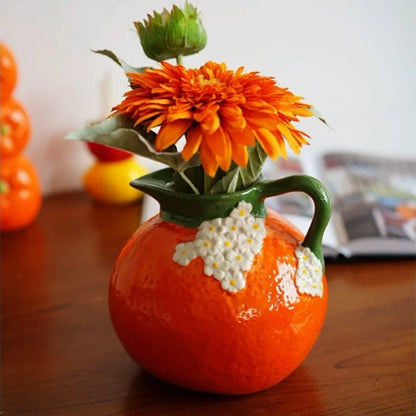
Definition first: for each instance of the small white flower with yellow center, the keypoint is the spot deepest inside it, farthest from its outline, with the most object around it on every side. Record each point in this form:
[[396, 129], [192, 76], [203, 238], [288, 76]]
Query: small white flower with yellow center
[[209, 228], [216, 266], [203, 246], [233, 281], [309, 272], [231, 227], [242, 211], [256, 228], [241, 260], [185, 252], [206, 245], [227, 246], [249, 243]]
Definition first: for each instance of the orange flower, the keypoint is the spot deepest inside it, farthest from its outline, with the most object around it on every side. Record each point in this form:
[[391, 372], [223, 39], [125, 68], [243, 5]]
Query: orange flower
[[220, 112]]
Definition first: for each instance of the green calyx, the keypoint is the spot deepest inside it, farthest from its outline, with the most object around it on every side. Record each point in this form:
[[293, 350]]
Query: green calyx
[[4, 186], [5, 129], [172, 34]]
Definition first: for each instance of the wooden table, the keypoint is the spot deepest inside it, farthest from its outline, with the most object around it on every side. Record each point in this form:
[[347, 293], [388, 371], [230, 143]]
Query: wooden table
[[60, 355]]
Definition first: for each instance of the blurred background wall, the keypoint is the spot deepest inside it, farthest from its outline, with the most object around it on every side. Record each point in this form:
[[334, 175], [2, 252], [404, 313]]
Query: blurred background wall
[[355, 60]]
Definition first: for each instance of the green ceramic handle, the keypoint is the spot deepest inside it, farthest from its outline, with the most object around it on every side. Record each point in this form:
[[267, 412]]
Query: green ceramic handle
[[316, 190]]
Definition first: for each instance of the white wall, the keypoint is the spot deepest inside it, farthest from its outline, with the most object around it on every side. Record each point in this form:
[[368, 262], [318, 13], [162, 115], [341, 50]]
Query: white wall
[[353, 59]]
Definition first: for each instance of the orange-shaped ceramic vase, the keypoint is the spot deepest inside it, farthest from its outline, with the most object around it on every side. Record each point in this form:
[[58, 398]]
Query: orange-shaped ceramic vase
[[218, 294]]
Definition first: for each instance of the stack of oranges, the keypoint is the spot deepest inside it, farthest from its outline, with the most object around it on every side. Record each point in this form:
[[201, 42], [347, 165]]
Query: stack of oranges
[[20, 194]]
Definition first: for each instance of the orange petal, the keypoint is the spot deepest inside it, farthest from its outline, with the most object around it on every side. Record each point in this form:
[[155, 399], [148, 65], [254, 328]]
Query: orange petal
[[218, 143], [158, 121], [176, 113], [240, 153], [151, 119], [208, 160], [245, 136], [232, 117], [193, 140], [268, 142], [261, 120], [170, 133], [281, 145], [224, 162], [211, 123], [208, 118], [302, 111], [293, 137], [234, 124]]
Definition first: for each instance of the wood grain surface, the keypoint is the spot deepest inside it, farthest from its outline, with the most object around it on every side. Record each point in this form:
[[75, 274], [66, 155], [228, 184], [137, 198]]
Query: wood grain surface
[[60, 355]]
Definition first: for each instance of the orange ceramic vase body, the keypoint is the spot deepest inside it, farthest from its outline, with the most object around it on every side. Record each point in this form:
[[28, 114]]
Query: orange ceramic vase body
[[196, 330]]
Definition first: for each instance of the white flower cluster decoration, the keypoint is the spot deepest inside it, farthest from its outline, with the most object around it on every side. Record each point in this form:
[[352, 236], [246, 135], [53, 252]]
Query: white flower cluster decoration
[[227, 246], [309, 272]]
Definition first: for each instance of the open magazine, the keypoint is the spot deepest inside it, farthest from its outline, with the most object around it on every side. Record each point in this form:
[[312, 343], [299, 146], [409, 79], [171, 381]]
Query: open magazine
[[374, 203]]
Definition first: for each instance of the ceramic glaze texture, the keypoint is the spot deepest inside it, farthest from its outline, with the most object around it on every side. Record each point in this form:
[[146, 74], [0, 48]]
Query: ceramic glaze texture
[[179, 325]]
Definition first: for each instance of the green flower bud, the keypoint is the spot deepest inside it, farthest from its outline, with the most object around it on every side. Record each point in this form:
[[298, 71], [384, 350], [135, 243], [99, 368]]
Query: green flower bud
[[169, 35]]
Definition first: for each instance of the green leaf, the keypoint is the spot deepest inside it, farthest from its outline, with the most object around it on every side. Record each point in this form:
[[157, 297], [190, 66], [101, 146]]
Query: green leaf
[[238, 178], [118, 131], [126, 67], [320, 117]]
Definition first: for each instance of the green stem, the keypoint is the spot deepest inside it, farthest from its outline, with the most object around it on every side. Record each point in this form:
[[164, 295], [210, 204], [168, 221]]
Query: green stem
[[179, 60], [207, 182], [189, 182]]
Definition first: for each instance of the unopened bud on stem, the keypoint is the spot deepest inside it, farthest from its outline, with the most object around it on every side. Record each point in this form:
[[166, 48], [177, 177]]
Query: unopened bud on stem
[[171, 34]]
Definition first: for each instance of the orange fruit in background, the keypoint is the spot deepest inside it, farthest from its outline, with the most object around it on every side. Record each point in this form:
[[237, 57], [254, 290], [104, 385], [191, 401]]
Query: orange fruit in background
[[14, 128], [8, 73], [20, 194], [180, 326]]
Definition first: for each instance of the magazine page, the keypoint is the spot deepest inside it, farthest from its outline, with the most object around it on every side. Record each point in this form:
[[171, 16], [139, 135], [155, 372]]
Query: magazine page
[[374, 202]]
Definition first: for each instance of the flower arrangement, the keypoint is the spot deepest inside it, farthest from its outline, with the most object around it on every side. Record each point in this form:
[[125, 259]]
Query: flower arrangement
[[228, 122]]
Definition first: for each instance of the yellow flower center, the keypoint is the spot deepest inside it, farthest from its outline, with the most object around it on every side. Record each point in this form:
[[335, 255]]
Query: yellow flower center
[[203, 82]]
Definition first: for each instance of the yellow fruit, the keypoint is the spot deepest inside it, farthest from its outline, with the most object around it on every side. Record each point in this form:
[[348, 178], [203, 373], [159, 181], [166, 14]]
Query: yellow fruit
[[108, 182]]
